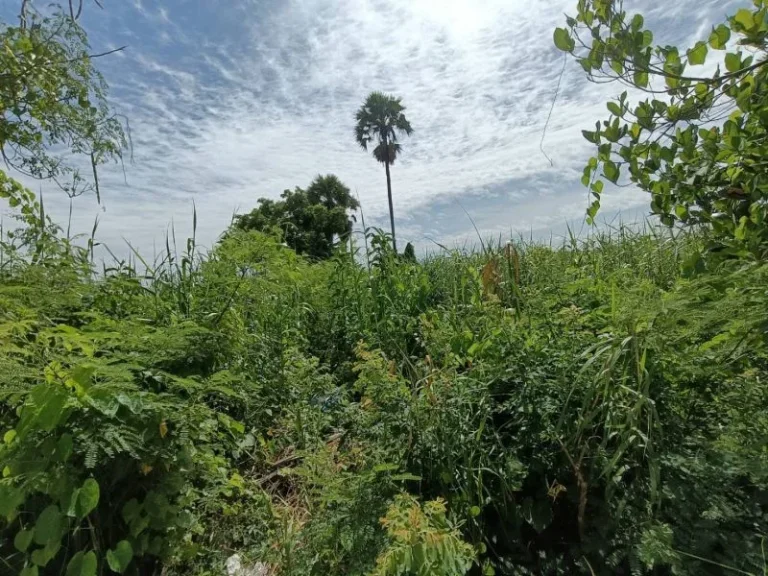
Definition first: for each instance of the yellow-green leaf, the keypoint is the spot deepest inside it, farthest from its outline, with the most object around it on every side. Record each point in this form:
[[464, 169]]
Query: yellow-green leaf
[[647, 38], [744, 18], [698, 54], [9, 436], [741, 230], [719, 37], [592, 211], [733, 62], [611, 171]]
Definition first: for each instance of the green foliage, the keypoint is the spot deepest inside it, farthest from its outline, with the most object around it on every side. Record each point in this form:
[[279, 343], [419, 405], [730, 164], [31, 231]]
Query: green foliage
[[120, 558], [589, 408], [422, 541], [82, 564], [309, 220], [583, 407], [696, 143], [52, 97]]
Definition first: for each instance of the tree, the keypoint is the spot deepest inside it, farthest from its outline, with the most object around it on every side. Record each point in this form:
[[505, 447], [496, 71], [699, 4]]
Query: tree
[[379, 120], [308, 219], [697, 143], [53, 101]]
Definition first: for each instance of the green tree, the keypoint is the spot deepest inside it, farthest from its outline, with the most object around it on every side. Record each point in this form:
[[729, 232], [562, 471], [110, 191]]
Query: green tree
[[53, 100], [379, 120], [698, 142], [308, 219]]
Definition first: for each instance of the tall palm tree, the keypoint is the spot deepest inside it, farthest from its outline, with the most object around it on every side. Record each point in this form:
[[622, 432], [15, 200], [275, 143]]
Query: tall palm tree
[[379, 121]]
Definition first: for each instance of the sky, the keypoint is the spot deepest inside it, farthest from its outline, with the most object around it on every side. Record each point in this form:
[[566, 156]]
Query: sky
[[232, 101]]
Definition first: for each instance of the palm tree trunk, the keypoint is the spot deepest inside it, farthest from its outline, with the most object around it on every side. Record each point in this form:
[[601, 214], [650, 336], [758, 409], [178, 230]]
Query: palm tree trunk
[[391, 209]]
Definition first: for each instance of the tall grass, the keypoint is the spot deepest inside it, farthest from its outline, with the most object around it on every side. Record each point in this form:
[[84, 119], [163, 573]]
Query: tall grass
[[580, 406]]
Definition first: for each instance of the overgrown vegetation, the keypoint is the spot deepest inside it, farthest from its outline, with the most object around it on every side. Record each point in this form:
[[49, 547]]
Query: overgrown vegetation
[[595, 407]]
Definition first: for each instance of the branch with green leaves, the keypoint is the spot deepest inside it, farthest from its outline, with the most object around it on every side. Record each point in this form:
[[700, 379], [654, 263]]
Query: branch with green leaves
[[695, 141], [53, 102]]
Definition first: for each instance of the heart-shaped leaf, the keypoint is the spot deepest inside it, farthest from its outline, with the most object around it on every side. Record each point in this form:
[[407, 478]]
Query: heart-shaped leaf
[[49, 525], [119, 558], [87, 498], [82, 564]]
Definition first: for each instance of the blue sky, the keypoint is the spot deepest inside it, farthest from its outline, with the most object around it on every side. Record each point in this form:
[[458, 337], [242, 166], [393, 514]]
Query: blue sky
[[232, 101]]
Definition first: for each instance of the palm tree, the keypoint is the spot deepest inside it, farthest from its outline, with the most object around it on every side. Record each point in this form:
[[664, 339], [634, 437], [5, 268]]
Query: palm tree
[[379, 121]]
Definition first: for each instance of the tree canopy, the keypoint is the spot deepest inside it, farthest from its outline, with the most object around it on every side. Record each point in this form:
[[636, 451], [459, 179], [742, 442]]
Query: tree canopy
[[696, 141], [53, 101], [309, 220]]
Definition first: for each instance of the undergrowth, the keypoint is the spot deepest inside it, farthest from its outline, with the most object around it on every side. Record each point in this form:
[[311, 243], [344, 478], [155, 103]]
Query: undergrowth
[[524, 409]]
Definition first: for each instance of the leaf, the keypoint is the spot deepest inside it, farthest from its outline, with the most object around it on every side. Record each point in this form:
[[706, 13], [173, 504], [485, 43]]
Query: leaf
[[698, 54], [48, 527], [9, 436], [10, 499], [131, 510], [744, 18], [22, 540], [29, 571], [614, 108], [405, 477], [185, 519], [42, 556], [63, 448], [52, 409], [81, 376], [647, 38], [119, 558], [741, 230], [733, 62], [83, 564], [641, 79], [592, 211], [719, 37], [138, 525], [563, 40], [611, 171], [88, 498], [593, 137], [69, 503]]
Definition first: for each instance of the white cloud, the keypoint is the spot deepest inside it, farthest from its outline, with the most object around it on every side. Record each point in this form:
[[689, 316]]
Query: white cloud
[[231, 104]]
